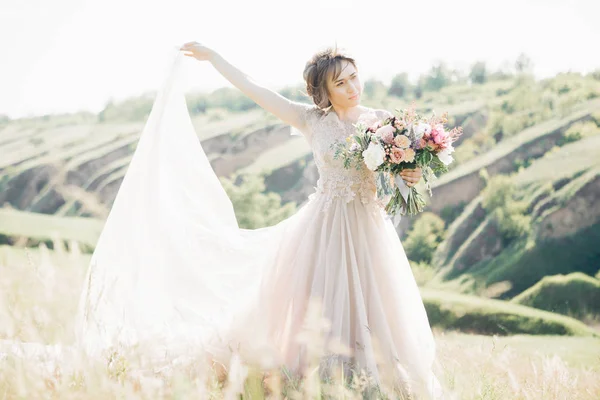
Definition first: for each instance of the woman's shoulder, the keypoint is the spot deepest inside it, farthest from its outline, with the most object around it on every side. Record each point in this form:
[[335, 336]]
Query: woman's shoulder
[[310, 111]]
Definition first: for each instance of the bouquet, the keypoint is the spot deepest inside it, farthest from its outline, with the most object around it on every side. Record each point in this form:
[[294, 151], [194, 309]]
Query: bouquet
[[403, 141]]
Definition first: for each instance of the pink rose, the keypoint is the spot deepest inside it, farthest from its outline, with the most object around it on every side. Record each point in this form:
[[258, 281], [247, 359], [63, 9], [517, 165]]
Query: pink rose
[[386, 133], [438, 135], [402, 141], [397, 155], [422, 143]]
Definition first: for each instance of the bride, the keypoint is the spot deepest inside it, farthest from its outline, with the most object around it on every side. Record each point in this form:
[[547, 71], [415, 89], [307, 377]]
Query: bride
[[172, 263]]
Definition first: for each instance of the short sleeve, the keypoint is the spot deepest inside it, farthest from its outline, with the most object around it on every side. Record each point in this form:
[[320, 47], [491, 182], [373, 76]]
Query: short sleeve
[[306, 114]]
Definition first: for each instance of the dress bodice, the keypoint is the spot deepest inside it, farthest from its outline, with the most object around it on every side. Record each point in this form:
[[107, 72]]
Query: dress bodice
[[324, 129]]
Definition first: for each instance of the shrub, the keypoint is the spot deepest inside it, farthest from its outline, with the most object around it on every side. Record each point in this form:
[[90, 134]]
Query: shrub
[[499, 200], [596, 118], [422, 272], [255, 208], [132, 109], [579, 131], [438, 77], [424, 237], [400, 85], [478, 73], [450, 212], [230, 99]]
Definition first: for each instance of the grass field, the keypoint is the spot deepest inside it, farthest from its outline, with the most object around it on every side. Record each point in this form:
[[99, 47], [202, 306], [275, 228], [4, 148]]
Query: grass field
[[563, 162], [38, 297], [39, 289], [14, 223]]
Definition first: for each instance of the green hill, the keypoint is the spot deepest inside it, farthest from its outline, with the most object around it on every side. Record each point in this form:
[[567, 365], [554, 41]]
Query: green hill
[[559, 192], [462, 184], [453, 311], [575, 294], [543, 132]]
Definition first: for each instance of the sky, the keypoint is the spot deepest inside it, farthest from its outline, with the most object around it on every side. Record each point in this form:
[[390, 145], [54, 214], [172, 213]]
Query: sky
[[72, 55]]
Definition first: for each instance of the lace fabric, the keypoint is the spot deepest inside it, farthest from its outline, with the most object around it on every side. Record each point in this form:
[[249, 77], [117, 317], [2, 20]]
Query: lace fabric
[[323, 130]]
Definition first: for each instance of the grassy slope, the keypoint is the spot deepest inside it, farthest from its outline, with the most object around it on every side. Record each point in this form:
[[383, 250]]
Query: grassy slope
[[514, 143], [279, 156], [449, 310], [526, 261], [575, 162], [15, 223], [573, 294], [563, 162]]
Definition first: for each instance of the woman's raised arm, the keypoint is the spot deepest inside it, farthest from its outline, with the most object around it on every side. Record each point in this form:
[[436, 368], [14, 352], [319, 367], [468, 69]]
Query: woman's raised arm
[[290, 112]]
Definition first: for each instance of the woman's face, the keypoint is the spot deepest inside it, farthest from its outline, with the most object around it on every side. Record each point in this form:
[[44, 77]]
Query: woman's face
[[346, 90]]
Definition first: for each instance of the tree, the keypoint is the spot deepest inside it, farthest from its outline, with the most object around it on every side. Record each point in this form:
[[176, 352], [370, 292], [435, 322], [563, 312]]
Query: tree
[[424, 237], [400, 85], [438, 77], [255, 208], [131, 109], [231, 99], [197, 104], [499, 200], [419, 87], [478, 73], [504, 71], [523, 64], [373, 88]]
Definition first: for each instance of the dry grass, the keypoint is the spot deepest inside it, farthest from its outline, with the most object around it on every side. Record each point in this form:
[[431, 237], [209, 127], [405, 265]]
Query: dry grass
[[29, 225], [39, 291]]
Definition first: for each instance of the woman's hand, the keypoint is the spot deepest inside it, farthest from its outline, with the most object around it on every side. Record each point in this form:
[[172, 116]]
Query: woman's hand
[[198, 51], [411, 176]]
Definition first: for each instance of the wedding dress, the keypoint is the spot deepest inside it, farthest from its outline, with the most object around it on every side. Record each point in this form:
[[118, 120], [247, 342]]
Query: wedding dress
[[172, 263]]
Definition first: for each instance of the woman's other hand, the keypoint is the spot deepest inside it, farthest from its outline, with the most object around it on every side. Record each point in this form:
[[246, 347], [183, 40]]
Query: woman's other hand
[[411, 176], [197, 51]]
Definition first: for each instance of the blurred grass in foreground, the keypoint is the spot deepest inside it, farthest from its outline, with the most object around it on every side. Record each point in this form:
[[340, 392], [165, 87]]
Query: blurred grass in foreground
[[39, 291]]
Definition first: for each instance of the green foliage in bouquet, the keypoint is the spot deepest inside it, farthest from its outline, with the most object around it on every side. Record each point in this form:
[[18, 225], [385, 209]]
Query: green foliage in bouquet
[[396, 143]]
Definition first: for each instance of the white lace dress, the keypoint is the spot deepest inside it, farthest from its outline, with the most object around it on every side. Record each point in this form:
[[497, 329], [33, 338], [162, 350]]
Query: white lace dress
[[339, 251]]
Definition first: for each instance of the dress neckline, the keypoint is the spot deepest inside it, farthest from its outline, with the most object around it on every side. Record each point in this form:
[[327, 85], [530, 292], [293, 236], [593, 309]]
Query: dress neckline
[[367, 110]]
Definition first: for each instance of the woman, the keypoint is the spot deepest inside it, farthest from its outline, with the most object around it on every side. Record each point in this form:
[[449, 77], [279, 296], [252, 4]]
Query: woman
[[172, 262]]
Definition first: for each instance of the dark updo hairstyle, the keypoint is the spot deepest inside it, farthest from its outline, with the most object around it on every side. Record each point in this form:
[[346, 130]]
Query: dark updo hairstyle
[[321, 65]]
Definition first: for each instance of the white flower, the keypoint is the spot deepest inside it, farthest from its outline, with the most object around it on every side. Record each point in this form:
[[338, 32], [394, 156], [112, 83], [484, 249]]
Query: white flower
[[373, 155], [421, 129], [445, 155]]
